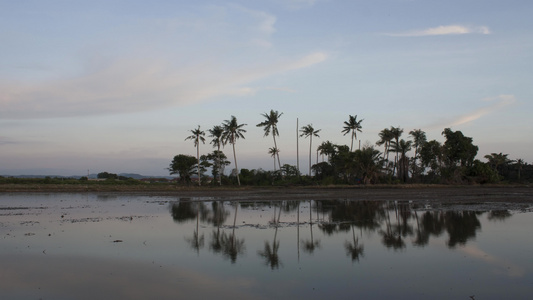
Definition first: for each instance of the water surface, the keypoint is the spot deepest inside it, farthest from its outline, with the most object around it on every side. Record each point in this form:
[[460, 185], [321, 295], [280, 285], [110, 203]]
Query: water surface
[[86, 246]]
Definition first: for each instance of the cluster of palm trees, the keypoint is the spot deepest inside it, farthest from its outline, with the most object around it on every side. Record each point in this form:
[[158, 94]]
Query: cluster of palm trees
[[230, 131], [366, 163]]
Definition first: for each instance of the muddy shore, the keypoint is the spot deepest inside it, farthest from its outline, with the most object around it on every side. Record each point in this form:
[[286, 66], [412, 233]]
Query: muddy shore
[[426, 193]]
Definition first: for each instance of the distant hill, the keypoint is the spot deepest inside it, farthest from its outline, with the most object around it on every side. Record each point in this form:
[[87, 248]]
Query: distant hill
[[91, 176]]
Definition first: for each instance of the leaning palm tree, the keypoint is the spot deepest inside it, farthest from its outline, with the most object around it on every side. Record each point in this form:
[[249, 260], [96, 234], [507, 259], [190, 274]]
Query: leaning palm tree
[[274, 152], [197, 136], [232, 132], [352, 125], [309, 131], [216, 133]]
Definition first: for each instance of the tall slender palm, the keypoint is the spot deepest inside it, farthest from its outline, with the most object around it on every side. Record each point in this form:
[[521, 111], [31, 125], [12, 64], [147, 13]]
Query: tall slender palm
[[271, 125], [273, 151], [197, 136], [309, 131], [232, 132], [352, 125], [419, 139], [386, 137], [216, 133], [396, 132]]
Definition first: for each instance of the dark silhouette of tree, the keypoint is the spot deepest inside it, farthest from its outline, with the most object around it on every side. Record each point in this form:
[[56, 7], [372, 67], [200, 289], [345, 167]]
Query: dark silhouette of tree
[[232, 132], [352, 126], [270, 125], [396, 132], [197, 136], [184, 166], [309, 131], [216, 133]]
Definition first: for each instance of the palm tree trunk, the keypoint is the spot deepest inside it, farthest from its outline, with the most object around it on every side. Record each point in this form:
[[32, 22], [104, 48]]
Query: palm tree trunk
[[235, 159], [198, 159], [351, 147], [310, 143], [219, 167], [276, 147]]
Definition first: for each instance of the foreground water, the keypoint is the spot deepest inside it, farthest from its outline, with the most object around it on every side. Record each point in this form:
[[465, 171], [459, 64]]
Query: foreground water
[[79, 246]]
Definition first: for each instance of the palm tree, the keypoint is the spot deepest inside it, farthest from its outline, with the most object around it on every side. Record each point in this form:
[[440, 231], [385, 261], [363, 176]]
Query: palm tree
[[385, 139], [197, 136], [309, 131], [402, 147], [396, 132], [326, 148], [419, 139], [352, 125], [216, 133], [232, 132], [271, 125], [274, 152]]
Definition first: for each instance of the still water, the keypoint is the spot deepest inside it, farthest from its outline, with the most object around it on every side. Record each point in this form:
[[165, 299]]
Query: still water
[[89, 246]]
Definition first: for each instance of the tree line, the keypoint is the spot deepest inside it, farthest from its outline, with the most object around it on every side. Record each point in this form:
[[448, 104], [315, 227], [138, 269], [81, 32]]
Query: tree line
[[451, 162]]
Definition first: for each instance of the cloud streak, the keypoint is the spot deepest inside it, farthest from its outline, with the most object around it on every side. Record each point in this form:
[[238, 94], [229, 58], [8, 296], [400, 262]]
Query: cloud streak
[[501, 102], [135, 85], [444, 30]]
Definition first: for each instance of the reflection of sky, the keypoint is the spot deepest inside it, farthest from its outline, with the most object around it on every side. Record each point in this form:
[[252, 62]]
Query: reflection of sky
[[55, 246]]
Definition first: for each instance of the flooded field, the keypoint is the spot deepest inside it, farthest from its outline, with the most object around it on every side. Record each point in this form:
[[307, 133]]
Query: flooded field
[[110, 246]]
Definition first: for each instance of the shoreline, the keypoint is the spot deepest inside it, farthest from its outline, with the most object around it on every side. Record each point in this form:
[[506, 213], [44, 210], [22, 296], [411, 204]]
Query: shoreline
[[414, 192]]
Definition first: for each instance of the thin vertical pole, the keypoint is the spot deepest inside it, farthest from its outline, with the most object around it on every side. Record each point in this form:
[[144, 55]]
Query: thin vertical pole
[[297, 150]]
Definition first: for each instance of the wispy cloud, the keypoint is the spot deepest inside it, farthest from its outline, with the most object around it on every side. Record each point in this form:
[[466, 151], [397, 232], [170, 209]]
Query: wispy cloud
[[444, 30], [136, 85], [498, 103]]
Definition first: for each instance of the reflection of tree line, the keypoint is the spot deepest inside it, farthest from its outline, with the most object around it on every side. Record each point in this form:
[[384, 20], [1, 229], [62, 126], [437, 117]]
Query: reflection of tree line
[[394, 222]]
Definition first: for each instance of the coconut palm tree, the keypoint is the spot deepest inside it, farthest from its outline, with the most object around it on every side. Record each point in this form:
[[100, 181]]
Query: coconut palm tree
[[216, 133], [402, 147], [419, 139], [396, 132], [274, 152], [271, 125], [197, 136], [232, 132], [352, 125], [309, 131], [326, 148], [386, 137]]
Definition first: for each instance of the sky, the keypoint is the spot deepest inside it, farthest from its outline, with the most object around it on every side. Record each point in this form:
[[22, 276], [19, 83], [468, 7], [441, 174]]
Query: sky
[[116, 86]]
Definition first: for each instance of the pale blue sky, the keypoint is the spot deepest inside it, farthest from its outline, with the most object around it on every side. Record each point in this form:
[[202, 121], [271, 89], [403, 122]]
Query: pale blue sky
[[117, 85]]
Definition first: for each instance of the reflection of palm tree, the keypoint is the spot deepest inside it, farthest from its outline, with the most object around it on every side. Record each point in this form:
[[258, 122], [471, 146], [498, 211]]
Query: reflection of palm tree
[[310, 245], [354, 250], [197, 241], [390, 238], [422, 236], [270, 254]]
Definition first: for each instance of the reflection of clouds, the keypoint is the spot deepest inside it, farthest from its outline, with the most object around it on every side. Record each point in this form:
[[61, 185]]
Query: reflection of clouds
[[92, 278], [502, 265]]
